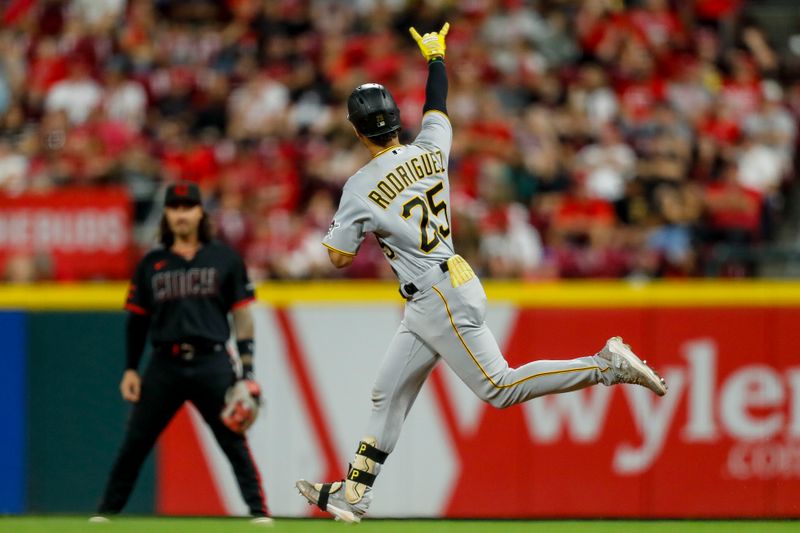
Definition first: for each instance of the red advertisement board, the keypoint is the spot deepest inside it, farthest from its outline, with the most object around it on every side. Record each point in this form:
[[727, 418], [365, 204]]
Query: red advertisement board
[[77, 233], [724, 441]]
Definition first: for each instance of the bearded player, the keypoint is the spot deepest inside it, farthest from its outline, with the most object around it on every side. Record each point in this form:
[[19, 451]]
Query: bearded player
[[402, 196]]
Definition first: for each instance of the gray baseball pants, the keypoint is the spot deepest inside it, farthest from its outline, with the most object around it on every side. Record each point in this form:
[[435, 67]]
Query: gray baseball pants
[[442, 321]]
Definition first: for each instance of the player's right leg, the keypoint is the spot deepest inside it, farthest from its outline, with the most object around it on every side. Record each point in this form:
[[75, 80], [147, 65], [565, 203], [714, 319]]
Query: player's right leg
[[161, 397], [451, 320], [405, 367]]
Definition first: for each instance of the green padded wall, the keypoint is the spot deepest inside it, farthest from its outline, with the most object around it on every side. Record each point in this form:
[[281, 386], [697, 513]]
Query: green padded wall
[[75, 413]]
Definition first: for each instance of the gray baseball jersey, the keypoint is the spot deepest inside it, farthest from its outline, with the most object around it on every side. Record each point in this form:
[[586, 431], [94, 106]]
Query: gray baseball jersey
[[403, 197]]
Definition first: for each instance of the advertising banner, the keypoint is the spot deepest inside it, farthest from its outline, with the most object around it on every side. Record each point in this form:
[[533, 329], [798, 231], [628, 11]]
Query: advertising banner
[[77, 233], [724, 441]]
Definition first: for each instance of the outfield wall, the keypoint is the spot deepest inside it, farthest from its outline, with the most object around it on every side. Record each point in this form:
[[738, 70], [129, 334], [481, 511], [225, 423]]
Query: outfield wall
[[725, 441]]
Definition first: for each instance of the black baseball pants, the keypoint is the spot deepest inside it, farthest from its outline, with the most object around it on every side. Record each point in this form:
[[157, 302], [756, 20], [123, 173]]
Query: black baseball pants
[[166, 384]]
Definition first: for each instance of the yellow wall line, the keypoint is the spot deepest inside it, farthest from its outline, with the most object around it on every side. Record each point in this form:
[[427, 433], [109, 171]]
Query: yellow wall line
[[613, 294]]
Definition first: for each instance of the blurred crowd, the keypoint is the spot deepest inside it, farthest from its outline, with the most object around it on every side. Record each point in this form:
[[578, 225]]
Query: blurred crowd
[[594, 138]]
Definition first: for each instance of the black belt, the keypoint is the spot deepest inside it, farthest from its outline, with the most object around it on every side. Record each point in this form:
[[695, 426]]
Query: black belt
[[188, 350], [410, 289]]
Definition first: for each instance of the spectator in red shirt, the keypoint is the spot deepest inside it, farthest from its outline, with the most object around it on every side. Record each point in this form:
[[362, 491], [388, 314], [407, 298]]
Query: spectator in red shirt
[[641, 87], [741, 92], [601, 29], [717, 136], [47, 67], [658, 25], [582, 219], [583, 236], [733, 210]]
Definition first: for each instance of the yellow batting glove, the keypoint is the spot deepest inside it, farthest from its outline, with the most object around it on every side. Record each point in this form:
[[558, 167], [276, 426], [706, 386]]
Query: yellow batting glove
[[431, 44]]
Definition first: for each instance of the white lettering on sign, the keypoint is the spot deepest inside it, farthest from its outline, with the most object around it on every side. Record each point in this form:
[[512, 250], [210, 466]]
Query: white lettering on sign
[[653, 417], [793, 378], [702, 358], [753, 387], [756, 406], [87, 230], [581, 413], [764, 460]]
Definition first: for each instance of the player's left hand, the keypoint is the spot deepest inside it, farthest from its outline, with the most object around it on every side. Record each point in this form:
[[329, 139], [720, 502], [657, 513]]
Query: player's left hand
[[242, 403], [431, 44]]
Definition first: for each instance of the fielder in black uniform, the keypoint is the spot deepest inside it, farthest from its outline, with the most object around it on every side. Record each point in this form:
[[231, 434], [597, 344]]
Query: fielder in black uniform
[[181, 294]]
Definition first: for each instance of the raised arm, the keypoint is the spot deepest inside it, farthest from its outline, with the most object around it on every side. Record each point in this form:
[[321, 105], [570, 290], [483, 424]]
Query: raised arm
[[432, 46]]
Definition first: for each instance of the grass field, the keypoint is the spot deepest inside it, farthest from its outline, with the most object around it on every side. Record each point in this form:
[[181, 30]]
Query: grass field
[[232, 525]]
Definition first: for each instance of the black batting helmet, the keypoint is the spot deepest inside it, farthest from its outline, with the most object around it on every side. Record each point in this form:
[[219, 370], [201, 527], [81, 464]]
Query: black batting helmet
[[371, 109]]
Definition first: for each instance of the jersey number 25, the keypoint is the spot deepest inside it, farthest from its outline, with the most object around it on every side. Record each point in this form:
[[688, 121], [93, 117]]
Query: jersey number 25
[[427, 205]]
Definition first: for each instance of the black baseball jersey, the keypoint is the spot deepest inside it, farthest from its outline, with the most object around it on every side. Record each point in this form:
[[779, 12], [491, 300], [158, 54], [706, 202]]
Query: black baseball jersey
[[190, 299]]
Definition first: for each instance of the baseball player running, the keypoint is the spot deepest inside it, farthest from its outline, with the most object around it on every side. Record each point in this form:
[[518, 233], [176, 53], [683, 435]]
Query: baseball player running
[[402, 196]]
